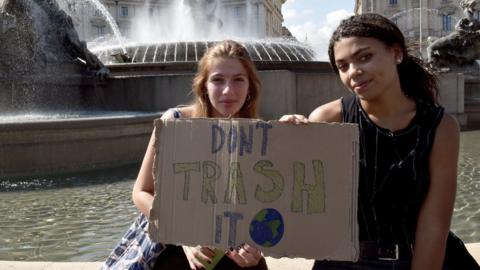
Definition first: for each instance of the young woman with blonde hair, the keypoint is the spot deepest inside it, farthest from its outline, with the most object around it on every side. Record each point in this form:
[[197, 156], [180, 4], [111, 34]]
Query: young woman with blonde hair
[[226, 85]]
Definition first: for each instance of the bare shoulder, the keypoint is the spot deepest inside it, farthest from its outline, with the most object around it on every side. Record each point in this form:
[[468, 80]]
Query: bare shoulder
[[186, 111], [329, 112], [448, 127], [447, 138]]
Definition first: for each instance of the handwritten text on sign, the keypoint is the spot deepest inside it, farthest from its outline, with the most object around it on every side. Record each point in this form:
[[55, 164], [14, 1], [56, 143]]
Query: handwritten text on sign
[[248, 180]]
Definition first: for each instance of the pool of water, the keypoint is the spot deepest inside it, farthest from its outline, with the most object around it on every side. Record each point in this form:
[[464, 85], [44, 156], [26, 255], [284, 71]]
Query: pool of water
[[65, 219], [81, 218], [466, 216]]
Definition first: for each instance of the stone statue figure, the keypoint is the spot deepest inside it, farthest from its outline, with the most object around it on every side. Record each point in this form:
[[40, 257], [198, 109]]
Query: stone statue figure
[[54, 38], [469, 6], [16, 42], [468, 23], [462, 46], [65, 31]]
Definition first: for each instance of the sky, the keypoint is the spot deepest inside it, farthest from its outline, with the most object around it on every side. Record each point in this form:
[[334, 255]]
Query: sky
[[313, 21]]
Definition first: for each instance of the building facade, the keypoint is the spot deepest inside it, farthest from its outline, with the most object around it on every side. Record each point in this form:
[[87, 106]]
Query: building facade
[[263, 17], [419, 20]]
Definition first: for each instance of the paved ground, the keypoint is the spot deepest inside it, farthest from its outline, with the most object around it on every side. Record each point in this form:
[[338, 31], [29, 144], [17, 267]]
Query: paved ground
[[274, 264]]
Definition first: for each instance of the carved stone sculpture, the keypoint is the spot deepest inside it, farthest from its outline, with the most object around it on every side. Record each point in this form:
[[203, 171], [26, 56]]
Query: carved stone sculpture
[[39, 31], [462, 46], [43, 63]]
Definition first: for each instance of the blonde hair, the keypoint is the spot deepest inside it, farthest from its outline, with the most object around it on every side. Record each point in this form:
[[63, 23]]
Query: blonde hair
[[225, 49]]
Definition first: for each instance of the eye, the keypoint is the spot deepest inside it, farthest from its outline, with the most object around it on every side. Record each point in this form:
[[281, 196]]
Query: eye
[[216, 79], [342, 67], [365, 57], [240, 79]]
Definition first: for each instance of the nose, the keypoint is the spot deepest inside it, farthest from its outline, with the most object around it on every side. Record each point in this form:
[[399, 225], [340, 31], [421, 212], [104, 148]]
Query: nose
[[228, 87], [355, 70]]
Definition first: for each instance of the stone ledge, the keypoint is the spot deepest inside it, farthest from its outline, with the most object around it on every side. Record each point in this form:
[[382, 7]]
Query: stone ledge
[[17, 265], [273, 264]]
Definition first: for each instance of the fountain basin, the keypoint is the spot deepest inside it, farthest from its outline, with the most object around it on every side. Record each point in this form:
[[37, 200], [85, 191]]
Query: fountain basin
[[58, 146], [191, 51]]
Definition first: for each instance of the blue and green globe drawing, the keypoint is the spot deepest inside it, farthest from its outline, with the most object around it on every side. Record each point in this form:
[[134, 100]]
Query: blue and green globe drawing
[[267, 227]]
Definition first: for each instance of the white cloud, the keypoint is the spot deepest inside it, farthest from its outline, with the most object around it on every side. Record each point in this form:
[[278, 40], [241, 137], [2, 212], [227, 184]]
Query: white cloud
[[318, 34], [293, 14], [289, 13], [308, 12]]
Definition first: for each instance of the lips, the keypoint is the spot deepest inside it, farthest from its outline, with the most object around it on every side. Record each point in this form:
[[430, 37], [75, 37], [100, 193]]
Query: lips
[[228, 102], [361, 86]]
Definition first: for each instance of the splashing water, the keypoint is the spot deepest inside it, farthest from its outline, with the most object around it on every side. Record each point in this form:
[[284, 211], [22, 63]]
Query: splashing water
[[109, 19]]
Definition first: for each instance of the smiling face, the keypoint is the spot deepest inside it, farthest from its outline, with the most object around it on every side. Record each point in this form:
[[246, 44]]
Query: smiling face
[[367, 66], [227, 87]]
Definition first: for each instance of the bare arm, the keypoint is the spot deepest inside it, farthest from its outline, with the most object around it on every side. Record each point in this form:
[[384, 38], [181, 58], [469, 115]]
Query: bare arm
[[329, 112], [435, 214], [143, 189]]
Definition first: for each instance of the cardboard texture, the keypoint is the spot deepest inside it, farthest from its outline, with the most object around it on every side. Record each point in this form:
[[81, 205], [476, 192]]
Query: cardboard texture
[[290, 190]]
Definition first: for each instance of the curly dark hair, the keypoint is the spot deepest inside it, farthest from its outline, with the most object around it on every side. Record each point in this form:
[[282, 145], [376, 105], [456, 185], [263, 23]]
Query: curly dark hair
[[417, 80]]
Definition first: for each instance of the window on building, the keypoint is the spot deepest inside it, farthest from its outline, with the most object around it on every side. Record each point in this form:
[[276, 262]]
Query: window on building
[[97, 12], [393, 2], [100, 31], [124, 12], [237, 11], [371, 5], [446, 23]]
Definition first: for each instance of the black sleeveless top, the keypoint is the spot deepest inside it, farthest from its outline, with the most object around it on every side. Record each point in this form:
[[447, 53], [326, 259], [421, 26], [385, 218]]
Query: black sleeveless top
[[394, 173]]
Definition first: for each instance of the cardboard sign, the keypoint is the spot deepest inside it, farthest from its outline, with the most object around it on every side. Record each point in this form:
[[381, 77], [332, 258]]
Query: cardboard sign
[[290, 190]]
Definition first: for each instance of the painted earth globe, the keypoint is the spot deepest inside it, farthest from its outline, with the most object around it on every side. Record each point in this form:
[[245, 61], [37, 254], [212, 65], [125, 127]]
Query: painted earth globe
[[267, 227]]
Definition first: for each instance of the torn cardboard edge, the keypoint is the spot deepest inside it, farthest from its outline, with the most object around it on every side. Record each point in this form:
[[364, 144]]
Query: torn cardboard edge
[[290, 190]]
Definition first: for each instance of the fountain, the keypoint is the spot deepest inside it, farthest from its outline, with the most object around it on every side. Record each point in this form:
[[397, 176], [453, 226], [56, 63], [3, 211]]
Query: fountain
[[53, 118], [185, 30], [61, 113], [161, 55], [111, 22], [38, 57]]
